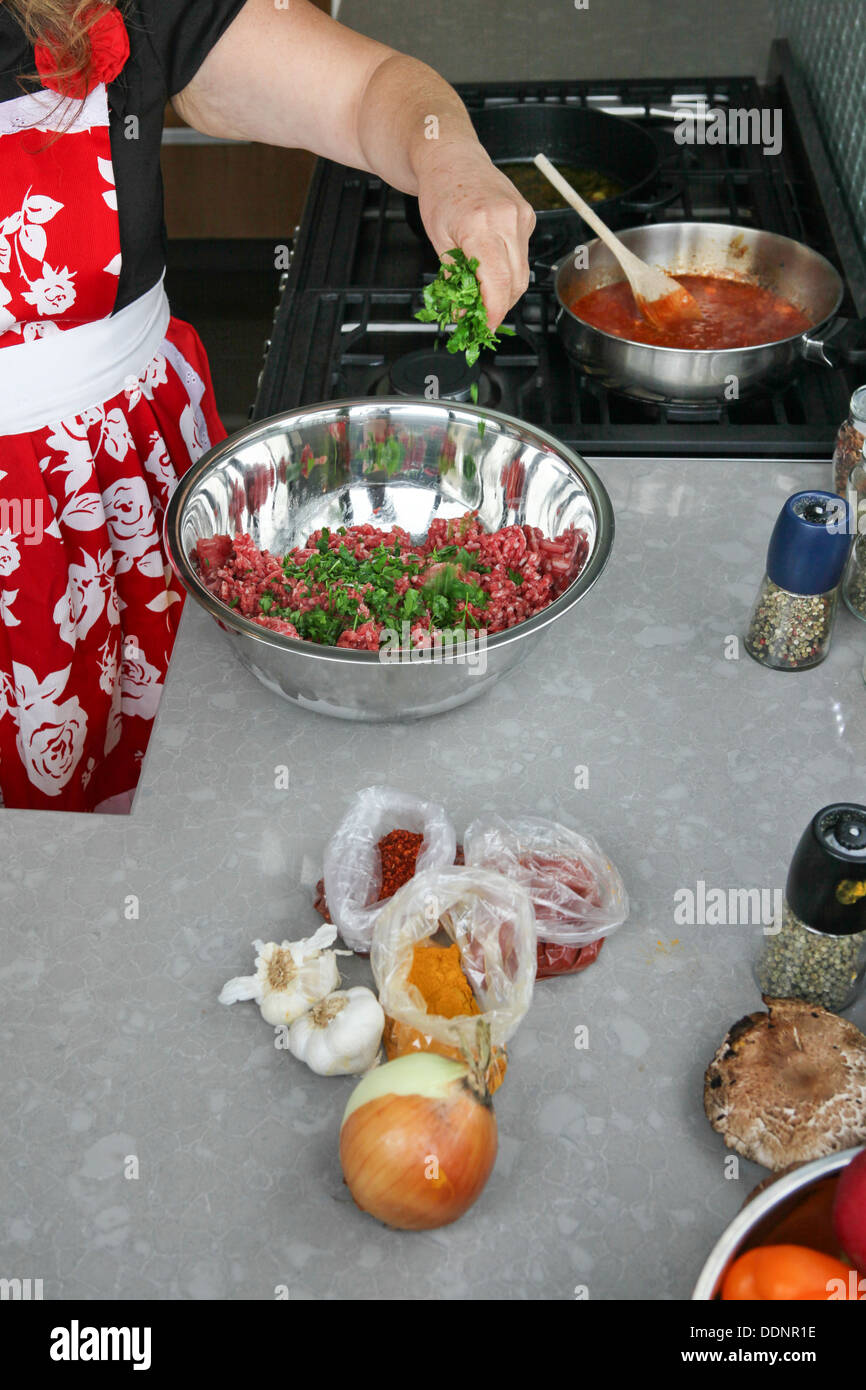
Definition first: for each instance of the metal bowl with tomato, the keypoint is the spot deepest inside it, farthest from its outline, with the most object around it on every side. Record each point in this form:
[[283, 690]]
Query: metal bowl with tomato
[[795, 1209]]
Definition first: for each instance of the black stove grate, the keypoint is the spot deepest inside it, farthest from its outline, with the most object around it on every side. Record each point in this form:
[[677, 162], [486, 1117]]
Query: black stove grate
[[358, 267]]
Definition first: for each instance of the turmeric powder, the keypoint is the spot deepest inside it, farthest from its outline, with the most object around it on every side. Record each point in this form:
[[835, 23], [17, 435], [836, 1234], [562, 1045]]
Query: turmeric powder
[[437, 973]]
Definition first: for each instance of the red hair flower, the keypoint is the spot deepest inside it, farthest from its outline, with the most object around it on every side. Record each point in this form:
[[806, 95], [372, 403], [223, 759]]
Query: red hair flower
[[109, 50]]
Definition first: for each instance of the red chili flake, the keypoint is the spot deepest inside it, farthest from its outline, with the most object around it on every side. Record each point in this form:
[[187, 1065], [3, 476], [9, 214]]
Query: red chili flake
[[398, 852]]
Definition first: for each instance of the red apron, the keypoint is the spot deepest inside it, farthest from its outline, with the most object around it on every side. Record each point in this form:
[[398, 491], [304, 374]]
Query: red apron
[[88, 609]]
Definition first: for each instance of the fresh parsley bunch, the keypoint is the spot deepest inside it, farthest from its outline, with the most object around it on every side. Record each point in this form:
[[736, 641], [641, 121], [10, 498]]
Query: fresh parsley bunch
[[453, 300]]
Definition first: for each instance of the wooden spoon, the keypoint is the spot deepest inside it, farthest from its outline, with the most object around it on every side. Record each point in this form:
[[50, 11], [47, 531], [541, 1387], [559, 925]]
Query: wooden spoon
[[664, 302]]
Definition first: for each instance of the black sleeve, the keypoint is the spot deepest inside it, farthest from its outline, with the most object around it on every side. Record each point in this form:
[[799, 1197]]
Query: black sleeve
[[183, 32]]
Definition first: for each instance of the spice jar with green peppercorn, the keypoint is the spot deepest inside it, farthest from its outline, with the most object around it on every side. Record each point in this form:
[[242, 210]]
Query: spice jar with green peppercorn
[[792, 621], [850, 442], [818, 952]]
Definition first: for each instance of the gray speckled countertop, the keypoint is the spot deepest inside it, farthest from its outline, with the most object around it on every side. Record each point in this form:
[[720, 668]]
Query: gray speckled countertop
[[113, 1043]]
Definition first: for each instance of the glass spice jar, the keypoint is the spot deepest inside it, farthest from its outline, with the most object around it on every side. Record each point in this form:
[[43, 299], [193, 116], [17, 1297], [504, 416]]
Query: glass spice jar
[[854, 582], [818, 952], [850, 441], [790, 632], [791, 623]]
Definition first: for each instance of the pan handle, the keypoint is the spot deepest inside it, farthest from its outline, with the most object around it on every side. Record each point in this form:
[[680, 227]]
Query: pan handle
[[663, 200], [844, 341]]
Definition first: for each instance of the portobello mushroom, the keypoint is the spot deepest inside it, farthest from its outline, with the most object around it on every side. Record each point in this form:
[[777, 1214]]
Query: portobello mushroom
[[788, 1085]]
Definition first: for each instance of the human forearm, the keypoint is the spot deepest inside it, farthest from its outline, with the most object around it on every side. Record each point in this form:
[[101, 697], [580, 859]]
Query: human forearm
[[415, 132], [409, 120]]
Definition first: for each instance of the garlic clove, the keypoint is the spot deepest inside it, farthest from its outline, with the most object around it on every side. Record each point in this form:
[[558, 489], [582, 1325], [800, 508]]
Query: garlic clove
[[313, 981], [242, 988], [341, 1034], [290, 976]]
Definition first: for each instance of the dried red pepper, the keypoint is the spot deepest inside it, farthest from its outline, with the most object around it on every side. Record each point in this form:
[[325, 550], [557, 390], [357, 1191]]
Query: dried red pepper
[[398, 851]]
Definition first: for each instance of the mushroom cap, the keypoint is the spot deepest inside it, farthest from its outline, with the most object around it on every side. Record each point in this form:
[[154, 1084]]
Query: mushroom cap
[[789, 1085]]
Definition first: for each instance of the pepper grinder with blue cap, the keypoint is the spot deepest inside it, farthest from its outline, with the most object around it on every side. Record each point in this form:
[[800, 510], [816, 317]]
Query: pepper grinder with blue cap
[[792, 620]]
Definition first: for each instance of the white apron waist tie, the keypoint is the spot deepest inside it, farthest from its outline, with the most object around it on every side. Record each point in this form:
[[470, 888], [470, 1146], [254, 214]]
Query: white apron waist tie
[[59, 376]]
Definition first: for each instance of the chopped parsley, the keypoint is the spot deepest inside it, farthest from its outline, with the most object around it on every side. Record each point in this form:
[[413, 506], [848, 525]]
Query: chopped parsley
[[341, 583], [453, 300]]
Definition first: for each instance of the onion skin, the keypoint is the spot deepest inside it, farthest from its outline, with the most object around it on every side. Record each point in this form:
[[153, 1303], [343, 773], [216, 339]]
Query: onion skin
[[390, 1144]]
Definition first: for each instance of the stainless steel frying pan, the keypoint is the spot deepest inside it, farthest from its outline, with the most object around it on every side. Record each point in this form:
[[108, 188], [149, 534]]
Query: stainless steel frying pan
[[788, 268]]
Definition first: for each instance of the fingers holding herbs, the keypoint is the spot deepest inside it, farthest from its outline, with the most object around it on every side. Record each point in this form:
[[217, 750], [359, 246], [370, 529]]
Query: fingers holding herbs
[[471, 204], [454, 301]]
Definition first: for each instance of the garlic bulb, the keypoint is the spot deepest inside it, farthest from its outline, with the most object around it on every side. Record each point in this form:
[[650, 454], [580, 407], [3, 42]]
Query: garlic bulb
[[289, 978], [340, 1036]]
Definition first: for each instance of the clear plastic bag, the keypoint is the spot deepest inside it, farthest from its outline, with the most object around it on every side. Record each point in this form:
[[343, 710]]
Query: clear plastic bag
[[577, 893], [492, 922], [353, 868]]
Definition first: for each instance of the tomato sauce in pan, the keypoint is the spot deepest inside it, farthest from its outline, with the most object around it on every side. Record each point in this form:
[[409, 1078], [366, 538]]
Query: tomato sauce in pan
[[735, 314]]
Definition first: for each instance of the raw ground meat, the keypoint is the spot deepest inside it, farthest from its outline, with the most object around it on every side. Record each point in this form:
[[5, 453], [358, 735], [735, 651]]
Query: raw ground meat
[[565, 960], [522, 572]]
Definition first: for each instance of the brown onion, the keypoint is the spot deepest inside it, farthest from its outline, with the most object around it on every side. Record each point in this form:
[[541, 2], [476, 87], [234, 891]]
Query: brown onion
[[418, 1141]]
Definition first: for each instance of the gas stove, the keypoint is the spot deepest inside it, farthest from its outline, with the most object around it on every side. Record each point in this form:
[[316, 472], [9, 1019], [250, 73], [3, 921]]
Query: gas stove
[[345, 325]]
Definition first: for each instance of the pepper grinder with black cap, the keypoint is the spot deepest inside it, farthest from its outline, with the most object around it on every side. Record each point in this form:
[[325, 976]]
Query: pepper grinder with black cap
[[818, 952], [792, 620]]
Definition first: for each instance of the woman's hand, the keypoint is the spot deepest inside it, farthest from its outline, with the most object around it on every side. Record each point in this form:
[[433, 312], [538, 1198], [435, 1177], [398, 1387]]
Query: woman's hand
[[466, 201]]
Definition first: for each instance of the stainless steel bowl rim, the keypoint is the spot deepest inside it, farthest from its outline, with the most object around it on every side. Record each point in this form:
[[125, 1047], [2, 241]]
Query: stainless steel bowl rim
[[803, 338], [228, 618], [749, 1216]]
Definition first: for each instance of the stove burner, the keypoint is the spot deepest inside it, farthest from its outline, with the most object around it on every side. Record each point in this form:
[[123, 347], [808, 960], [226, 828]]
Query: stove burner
[[654, 410], [435, 375], [692, 412], [551, 240]]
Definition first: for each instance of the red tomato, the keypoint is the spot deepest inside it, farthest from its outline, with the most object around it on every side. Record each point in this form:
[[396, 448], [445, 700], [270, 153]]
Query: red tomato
[[779, 1272]]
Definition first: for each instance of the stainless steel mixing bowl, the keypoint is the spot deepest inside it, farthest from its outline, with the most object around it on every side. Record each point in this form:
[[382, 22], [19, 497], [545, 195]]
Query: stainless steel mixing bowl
[[754, 1225], [383, 461]]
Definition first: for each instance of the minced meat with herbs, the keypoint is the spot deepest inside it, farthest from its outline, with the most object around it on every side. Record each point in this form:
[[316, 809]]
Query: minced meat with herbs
[[348, 586]]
